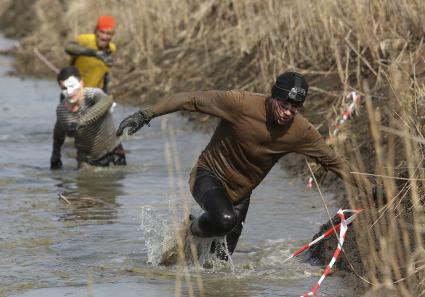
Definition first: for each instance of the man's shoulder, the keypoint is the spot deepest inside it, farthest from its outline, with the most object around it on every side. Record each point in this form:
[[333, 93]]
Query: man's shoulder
[[254, 94], [90, 92], [304, 126], [251, 99], [245, 95], [244, 102], [113, 47], [303, 122], [87, 39], [61, 112], [88, 36], [60, 106]]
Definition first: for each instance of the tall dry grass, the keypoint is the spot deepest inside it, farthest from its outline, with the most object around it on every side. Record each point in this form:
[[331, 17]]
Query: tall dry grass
[[390, 236], [174, 45], [373, 47], [4, 5]]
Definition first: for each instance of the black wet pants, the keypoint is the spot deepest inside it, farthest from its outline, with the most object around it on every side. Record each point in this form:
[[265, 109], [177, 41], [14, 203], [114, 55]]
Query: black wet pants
[[221, 216], [116, 157]]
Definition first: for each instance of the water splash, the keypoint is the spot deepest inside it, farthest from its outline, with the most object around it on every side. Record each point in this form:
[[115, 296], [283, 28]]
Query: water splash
[[161, 244], [157, 233]]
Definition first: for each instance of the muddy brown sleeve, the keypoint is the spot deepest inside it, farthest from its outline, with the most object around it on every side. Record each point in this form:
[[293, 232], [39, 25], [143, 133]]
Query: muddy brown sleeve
[[313, 145], [222, 104], [59, 135], [73, 48], [102, 104]]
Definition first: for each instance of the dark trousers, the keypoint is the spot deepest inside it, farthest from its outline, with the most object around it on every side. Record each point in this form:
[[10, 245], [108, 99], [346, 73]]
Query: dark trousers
[[221, 216], [116, 157]]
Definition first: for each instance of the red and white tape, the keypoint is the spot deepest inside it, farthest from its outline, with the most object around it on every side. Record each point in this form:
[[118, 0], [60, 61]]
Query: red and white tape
[[310, 182], [347, 114], [343, 226], [328, 233]]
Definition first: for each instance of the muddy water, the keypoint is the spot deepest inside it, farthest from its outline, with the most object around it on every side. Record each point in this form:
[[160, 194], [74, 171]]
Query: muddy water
[[94, 243]]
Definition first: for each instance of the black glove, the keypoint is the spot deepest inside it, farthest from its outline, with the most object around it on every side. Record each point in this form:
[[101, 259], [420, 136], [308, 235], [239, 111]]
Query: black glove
[[105, 57], [134, 122], [55, 162]]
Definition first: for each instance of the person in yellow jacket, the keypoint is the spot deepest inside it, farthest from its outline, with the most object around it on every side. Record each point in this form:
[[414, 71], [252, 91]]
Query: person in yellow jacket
[[93, 53]]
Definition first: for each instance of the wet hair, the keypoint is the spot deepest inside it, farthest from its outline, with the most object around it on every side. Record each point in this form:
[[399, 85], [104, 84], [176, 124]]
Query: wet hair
[[67, 72]]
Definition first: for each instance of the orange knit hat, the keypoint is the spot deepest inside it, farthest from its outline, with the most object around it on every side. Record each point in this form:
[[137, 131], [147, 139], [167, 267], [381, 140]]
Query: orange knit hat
[[105, 22]]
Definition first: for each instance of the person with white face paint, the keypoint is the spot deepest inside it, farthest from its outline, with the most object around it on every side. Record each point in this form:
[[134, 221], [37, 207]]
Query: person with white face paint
[[71, 89], [84, 113]]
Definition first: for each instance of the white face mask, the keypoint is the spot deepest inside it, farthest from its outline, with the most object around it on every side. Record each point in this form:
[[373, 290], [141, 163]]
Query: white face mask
[[72, 85]]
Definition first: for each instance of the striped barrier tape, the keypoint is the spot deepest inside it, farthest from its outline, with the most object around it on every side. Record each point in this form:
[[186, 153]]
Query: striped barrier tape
[[326, 234], [347, 114], [310, 183], [343, 226]]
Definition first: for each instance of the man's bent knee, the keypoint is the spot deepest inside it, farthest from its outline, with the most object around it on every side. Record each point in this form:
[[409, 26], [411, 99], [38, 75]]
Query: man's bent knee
[[225, 224]]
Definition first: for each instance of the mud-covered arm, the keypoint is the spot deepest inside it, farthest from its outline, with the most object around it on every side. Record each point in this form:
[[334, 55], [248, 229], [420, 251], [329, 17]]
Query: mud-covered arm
[[102, 103], [313, 145], [73, 48], [59, 134], [225, 105]]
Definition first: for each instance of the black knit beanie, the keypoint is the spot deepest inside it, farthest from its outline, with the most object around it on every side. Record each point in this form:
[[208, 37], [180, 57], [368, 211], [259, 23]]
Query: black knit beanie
[[290, 86]]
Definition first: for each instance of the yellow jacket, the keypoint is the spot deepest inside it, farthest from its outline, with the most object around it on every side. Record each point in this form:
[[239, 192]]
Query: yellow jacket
[[92, 69]]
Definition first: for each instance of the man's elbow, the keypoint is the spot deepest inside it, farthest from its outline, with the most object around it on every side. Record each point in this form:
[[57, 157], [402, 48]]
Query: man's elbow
[[69, 48], [69, 52]]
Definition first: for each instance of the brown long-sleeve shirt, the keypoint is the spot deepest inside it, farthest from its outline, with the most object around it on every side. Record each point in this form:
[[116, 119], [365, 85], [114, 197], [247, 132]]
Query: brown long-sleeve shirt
[[246, 143]]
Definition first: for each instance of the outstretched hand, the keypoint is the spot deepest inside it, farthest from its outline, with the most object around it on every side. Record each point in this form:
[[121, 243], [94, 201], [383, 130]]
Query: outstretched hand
[[134, 122], [105, 57], [55, 162]]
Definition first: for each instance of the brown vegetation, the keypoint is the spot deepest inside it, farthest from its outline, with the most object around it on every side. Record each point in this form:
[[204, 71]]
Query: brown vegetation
[[373, 47]]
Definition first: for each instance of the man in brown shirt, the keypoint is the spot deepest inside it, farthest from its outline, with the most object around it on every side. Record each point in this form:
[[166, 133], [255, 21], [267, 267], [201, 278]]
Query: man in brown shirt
[[255, 131]]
